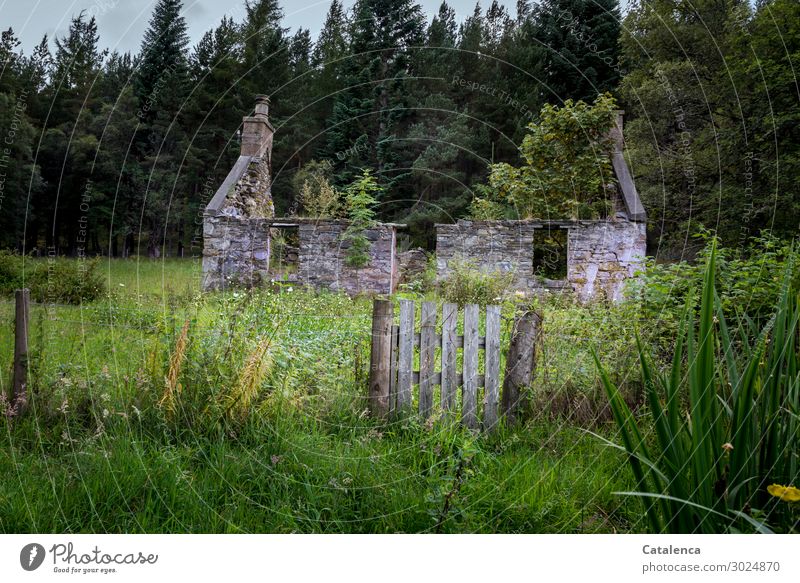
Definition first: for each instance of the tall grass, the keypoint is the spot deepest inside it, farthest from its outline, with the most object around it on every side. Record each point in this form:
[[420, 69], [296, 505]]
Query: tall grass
[[725, 421]]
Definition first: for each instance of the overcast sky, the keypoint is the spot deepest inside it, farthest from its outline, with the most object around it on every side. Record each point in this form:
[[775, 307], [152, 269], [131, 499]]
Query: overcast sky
[[121, 23]]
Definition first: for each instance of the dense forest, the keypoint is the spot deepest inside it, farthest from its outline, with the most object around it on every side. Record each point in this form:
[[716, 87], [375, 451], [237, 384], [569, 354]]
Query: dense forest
[[108, 153]]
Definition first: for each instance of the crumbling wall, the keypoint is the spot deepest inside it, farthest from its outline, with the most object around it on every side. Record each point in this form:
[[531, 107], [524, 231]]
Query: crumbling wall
[[323, 254], [236, 240], [601, 255], [235, 251], [251, 196], [505, 246]]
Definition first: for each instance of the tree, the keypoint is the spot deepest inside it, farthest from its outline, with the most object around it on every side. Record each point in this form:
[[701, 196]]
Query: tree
[[161, 87], [374, 109], [581, 40], [361, 197], [567, 171], [162, 74]]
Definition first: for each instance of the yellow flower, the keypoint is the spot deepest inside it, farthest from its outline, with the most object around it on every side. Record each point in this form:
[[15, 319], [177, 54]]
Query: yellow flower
[[785, 493]]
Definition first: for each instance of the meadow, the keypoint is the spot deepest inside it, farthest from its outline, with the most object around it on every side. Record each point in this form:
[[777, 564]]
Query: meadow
[[156, 408]]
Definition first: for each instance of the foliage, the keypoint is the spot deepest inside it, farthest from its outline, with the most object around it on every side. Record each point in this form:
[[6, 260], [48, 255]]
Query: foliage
[[467, 284], [738, 433], [749, 279], [586, 33], [52, 281], [361, 197], [567, 171], [315, 193], [710, 96]]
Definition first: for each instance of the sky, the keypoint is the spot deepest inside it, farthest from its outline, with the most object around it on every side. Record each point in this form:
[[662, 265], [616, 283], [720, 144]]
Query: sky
[[121, 23]]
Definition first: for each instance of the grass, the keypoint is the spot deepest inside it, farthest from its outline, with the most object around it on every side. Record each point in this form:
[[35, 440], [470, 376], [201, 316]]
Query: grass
[[296, 453]]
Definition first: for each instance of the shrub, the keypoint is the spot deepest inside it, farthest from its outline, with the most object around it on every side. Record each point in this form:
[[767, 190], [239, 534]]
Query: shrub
[[716, 464], [319, 197], [361, 200], [57, 280], [467, 284], [748, 280]]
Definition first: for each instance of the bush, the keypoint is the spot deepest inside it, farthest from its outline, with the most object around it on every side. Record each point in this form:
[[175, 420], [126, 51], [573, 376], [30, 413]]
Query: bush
[[467, 284], [58, 280], [748, 280]]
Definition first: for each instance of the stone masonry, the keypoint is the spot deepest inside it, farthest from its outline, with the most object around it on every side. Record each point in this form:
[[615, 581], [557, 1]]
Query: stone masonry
[[601, 255], [323, 254]]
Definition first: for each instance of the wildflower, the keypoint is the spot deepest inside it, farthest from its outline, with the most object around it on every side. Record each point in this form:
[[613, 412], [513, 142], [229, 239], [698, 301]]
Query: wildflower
[[785, 493]]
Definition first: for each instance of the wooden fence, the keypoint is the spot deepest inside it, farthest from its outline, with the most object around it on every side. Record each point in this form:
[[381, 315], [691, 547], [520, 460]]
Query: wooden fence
[[395, 347]]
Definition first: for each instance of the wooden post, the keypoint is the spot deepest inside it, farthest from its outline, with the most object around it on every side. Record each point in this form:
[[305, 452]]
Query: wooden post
[[427, 358], [520, 364], [469, 407], [22, 317], [380, 359], [492, 367]]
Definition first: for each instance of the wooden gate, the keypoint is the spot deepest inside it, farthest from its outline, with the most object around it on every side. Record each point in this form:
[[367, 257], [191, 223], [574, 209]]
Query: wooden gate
[[396, 349]]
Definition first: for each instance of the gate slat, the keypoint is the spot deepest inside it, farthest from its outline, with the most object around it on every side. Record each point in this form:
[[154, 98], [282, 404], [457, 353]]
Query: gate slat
[[469, 414], [449, 353], [405, 354], [427, 358], [492, 368], [393, 372]]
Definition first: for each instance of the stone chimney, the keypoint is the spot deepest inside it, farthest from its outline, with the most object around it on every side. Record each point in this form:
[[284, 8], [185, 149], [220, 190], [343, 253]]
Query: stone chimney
[[257, 131]]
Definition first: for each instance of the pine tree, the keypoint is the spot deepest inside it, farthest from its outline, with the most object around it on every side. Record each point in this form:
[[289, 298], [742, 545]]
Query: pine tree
[[582, 37], [161, 85], [368, 117], [266, 48], [161, 79]]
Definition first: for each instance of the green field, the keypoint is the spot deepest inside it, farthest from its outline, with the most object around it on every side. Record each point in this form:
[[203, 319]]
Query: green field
[[293, 450]]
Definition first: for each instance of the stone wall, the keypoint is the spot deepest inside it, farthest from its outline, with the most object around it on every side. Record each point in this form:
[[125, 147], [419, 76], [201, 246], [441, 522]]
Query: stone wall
[[322, 259], [235, 252], [505, 246], [236, 243], [601, 255]]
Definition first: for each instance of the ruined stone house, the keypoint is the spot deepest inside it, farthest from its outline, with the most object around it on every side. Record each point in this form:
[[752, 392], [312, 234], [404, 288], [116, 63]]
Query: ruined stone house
[[600, 255], [238, 224], [240, 218]]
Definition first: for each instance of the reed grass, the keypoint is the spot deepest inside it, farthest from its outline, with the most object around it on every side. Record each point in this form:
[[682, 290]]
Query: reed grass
[[724, 418]]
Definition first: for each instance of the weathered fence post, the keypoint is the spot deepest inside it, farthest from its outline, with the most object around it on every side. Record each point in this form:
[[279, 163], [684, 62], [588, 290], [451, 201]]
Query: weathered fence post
[[520, 363], [427, 358], [22, 317], [381, 357], [492, 368], [469, 407], [405, 356], [449, 356]]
